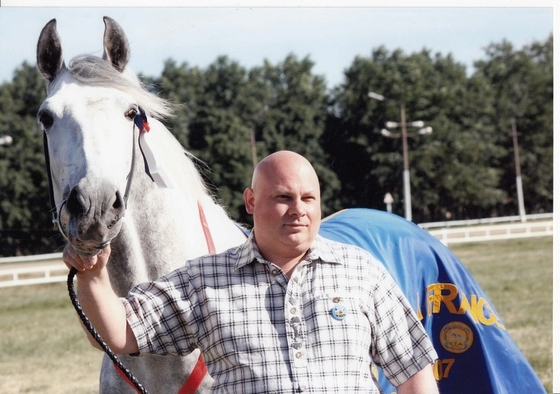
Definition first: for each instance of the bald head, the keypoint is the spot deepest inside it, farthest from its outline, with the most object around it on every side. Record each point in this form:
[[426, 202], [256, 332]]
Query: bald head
[[285, 201], [283, 163]]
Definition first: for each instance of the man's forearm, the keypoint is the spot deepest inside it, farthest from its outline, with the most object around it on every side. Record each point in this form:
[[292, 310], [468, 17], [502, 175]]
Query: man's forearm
[[98, 300], [105, 311], [422, 382]]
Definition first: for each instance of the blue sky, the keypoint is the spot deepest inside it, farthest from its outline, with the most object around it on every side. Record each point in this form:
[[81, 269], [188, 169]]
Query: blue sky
[[331, 36]]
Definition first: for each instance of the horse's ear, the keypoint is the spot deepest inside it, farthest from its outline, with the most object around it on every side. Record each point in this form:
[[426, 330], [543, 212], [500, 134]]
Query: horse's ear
[[49, 52], [116, 48]]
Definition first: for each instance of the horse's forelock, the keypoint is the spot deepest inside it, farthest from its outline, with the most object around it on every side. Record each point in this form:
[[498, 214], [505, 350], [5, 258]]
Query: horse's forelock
[[92, 70]]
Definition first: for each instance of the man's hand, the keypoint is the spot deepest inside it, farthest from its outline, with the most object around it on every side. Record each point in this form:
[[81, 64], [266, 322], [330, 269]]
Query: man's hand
[[82, 263]]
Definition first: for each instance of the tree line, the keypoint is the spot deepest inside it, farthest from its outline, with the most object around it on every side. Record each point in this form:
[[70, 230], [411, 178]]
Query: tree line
[[229, 117]]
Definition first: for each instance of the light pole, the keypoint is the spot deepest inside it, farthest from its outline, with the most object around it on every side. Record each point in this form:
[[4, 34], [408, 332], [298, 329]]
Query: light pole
[[404, 135]]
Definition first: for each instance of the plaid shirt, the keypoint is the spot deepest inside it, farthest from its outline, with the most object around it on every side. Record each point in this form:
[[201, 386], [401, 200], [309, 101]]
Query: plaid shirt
[[262, 332]]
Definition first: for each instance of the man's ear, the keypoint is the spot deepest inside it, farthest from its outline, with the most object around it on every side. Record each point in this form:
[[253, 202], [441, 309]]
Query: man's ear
[[249, 197]]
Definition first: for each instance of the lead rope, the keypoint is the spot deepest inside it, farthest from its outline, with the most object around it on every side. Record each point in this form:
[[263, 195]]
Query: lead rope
[[91, 329], [199, 370]]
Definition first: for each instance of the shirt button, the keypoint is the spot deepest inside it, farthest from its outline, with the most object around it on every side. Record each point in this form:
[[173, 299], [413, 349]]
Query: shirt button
[[303, 387], [293, 311], [336, 300], [275, 272], [299, 355]]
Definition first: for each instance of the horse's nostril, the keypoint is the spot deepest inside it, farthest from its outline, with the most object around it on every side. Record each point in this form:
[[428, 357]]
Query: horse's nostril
[[73, 204], [118, 204]]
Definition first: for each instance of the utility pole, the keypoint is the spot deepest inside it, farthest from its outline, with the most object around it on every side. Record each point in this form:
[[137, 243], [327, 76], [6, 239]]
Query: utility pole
[[518, 180], [253, 147]]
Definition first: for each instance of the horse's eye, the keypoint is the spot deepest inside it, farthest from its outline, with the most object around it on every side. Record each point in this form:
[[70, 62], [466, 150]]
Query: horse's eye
[[131, 113], [45, 119]]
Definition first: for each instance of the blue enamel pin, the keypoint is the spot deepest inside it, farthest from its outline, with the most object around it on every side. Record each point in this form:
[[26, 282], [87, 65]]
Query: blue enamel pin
[[339, 312]]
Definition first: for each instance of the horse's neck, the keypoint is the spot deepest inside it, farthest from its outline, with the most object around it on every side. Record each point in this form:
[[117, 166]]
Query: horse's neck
[[162, 229]]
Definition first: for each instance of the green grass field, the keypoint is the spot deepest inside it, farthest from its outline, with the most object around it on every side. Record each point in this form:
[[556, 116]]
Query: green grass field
[[44, 350], [517, 277]]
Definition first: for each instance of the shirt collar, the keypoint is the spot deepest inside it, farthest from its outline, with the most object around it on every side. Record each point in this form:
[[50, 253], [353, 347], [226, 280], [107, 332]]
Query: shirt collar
[[320, 250]]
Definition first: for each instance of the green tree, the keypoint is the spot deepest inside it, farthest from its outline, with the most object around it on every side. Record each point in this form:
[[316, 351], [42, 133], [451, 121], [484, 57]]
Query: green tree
[[450, 172], [457, 170], [182, 86], [294, 118], [25, 225], [220, 135], [232, 118], [209, 124], [521, 81]]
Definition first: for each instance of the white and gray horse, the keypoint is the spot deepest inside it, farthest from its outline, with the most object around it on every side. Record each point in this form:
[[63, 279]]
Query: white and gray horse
[[102, 192]]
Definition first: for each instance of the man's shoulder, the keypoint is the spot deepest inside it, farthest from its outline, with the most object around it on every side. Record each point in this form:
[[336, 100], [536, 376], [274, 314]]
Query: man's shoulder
[[337, 246], [352, 256], [227, 257]]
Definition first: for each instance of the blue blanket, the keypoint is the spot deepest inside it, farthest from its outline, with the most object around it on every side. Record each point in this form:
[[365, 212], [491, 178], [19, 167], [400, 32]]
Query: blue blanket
[[476, 353]]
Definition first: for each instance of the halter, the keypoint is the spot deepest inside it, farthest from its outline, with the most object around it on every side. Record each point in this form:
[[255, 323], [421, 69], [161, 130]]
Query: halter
[[160, 178], [153, 169], [140, 122]]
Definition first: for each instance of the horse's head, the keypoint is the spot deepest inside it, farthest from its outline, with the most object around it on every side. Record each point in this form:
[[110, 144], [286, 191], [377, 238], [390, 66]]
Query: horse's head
[[88, 119]]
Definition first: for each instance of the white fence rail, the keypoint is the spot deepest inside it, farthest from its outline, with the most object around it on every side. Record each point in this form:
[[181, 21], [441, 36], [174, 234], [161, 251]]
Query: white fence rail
[[32, 270], [493, 232], [37, 258], [496, 220], [49, 268], [22, 276]]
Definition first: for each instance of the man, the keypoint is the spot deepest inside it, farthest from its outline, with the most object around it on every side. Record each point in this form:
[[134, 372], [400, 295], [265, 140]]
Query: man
[[287, 311]]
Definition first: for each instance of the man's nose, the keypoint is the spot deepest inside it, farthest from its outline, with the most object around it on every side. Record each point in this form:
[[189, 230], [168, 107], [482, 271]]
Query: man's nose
[[297, 207]]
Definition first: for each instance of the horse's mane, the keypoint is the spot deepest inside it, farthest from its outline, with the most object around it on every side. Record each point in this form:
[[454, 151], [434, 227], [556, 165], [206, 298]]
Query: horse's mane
[[95, 71]]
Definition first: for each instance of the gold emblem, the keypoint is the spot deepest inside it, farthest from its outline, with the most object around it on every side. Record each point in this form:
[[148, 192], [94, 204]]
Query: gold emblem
[[456, 337]]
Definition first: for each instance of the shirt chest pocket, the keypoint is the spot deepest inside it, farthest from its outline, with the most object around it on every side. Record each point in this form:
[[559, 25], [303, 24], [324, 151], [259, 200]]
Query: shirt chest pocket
[[245, 323], [337, 319]]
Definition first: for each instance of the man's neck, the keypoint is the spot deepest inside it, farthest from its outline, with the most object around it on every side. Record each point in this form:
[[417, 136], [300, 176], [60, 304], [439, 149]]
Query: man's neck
[[286, 264]]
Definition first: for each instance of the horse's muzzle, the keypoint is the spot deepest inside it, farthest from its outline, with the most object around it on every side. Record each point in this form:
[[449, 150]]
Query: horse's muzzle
[[90, 217]]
